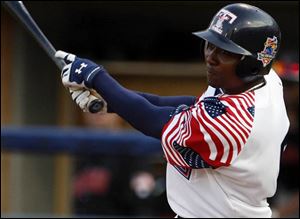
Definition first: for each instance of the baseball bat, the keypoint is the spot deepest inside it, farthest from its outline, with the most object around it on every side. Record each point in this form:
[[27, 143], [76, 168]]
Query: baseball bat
[[19, 10]]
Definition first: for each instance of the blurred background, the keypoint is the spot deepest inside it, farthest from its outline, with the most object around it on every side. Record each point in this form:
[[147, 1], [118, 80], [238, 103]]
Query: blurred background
[[57, 161]]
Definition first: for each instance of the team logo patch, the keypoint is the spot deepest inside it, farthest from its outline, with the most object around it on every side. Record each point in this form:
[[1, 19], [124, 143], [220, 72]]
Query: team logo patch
[[269, 51], [222, 16]]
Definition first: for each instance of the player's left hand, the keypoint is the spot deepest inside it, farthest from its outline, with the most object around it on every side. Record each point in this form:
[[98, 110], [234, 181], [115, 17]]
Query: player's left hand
[[78, 72]]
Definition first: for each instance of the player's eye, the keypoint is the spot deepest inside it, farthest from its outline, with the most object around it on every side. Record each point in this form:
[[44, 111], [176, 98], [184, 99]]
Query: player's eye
[[225, 52], [210, 46]]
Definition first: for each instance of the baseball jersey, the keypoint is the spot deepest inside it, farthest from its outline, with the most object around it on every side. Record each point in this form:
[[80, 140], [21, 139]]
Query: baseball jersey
[[223, 152]]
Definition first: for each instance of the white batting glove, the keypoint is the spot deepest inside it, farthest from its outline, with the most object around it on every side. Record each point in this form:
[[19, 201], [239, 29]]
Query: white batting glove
[[84, 97]]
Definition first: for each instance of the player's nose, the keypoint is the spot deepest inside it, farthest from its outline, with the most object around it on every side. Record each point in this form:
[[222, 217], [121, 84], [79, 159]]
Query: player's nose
[[211, 57]]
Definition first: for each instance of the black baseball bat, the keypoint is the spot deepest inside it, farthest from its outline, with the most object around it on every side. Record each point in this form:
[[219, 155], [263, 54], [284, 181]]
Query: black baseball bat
[[19, 10]]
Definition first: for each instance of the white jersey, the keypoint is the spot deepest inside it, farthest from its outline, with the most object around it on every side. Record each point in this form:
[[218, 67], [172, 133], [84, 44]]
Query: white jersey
[[224, 152]]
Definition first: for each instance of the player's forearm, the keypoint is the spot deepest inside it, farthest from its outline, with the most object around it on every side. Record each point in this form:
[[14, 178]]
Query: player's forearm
[[156, 100], [168, 100], [132, 107]]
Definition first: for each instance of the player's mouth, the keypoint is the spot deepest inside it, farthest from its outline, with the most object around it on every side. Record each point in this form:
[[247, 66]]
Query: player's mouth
[[210, 71], [212, 77]]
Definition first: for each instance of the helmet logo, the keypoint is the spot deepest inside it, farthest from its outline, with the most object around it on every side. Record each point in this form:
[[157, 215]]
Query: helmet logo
[[268, 52], [222, 16]]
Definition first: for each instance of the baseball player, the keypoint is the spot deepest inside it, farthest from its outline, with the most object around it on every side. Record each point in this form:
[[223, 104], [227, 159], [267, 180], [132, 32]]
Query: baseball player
[[222, 148]]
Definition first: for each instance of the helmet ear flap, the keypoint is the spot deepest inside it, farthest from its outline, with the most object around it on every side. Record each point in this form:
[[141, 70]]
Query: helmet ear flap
[[249, 68]]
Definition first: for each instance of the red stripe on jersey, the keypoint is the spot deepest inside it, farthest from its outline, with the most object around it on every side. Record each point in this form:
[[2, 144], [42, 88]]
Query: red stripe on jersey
[[245, 109], [224, 135], [239, 132], [248, 95], [214, 137], [175, 138], [185, 130], [171, 154], [233, 105], [248, 99], [198, 143], [233, 117]]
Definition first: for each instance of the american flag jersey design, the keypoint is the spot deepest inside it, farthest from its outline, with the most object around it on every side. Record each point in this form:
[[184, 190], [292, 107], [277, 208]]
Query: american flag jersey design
[[211, 133]]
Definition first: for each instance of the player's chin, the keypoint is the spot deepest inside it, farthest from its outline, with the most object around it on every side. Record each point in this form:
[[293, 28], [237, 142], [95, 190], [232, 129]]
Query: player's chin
[[213, 82]]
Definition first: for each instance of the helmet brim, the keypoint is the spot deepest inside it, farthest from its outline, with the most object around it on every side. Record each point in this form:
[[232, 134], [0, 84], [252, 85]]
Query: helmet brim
[[222, 42]]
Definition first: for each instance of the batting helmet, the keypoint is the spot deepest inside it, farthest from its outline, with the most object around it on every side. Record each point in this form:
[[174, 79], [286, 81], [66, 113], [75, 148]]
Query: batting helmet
[[247, 30]]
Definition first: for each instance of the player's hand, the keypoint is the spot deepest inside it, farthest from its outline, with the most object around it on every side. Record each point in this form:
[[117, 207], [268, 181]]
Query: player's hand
[[77, 73], [83, 97]]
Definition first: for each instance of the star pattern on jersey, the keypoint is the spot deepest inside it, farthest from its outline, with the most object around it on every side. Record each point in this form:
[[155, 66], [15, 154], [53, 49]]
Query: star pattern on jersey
[[251, 110], [214, 107], [192, 158]]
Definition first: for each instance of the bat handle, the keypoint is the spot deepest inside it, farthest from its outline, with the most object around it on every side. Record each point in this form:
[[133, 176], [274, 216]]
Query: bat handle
[[96, 104]]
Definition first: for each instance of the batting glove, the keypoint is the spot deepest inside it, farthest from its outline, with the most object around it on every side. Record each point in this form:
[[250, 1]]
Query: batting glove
[[84, 97], [77, 73]]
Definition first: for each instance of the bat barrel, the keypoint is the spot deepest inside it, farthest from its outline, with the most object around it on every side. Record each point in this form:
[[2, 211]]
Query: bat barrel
[[23, 15], [18, 9]]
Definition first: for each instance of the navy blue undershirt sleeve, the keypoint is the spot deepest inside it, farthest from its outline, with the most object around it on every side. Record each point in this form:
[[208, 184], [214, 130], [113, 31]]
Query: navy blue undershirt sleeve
[[168, 100], [132, 107], [164, 100]]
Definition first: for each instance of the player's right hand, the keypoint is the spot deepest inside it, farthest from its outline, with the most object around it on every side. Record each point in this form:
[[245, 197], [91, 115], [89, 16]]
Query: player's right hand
[[83, 97]]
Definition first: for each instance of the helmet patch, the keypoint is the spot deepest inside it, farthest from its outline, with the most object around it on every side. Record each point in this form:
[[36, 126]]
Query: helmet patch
[[269, 51], [223, 15]]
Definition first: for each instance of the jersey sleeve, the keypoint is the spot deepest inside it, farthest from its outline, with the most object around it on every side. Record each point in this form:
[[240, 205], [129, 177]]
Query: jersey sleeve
[[210, 133]]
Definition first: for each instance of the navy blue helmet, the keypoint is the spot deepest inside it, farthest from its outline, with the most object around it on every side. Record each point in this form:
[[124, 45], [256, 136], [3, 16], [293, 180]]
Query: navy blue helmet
[[246, 30]]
